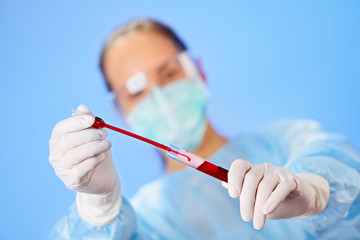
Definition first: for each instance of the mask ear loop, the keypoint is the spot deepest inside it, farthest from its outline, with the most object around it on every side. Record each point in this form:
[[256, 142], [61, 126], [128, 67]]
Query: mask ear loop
[[113, 106]]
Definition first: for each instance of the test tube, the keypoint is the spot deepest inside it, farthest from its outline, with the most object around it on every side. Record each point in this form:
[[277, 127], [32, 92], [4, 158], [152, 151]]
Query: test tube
[[197, 162], [174, 152]]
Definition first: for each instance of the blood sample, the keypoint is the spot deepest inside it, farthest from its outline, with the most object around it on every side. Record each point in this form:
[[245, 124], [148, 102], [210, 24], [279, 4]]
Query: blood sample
[[213, 170], [174, 152]]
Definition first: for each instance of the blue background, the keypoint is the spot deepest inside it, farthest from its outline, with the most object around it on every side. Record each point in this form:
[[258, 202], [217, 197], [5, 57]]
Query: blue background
[[264, 60]]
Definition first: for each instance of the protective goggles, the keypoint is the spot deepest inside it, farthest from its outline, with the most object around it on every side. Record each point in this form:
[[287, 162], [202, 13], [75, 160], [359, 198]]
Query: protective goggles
[[138, 86]]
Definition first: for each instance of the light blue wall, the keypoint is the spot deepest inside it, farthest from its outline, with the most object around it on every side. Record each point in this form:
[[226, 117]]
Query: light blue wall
[[264, 60]]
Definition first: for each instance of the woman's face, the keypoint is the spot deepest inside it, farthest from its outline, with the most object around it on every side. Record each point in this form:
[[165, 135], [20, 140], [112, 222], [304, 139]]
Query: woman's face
[[140, 52]]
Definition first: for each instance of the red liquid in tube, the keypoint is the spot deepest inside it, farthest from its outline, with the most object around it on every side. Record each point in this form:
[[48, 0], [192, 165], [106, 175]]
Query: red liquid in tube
[[213, 170]]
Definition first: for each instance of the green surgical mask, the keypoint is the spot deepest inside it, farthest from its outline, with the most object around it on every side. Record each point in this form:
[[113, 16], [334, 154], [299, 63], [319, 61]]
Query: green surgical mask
[[174, 114]]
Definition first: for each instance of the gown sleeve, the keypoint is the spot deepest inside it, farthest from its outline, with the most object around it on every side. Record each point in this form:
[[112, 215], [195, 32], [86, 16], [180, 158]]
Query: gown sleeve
[[306, 148], [124, 226]]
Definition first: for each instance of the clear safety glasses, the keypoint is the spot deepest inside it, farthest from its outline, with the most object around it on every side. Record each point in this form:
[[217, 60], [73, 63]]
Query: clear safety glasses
[[138, 86]]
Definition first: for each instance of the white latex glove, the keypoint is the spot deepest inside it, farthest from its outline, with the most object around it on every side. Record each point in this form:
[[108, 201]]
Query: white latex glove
[[268, 191], [81, 158]]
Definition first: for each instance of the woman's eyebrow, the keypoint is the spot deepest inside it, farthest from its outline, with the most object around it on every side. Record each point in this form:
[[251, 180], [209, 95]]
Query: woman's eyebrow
[[163, 66], [167, 64]]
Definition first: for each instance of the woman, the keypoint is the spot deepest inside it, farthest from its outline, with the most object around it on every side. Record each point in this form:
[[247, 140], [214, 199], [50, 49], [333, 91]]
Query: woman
[[162, 94]]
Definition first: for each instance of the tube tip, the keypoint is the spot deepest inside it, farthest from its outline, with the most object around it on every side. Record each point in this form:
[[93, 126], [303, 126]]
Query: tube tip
[[99, 123]]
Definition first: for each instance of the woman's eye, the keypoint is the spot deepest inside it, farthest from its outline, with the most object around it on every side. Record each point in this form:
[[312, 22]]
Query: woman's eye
[[170, 76], [138, 94]]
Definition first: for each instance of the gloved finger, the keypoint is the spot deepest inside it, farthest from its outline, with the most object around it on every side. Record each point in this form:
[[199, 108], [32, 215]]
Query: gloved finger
[[265, 188], [61, 172], [236, 174], [83, 110], [69, 125], [278, 196], [76, 155], [248, 192], [75, 139], [78, 171]]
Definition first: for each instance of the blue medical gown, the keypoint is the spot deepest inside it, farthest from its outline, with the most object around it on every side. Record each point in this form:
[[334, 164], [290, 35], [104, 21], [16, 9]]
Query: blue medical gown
[[191, 205]]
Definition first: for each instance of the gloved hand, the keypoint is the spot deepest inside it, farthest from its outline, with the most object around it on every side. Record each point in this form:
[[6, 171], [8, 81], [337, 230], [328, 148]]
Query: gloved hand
[[268, 191], [81, 158]]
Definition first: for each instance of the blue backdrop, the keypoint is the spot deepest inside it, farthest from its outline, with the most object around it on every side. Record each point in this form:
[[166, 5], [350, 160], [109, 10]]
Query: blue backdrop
[[264, 60]]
